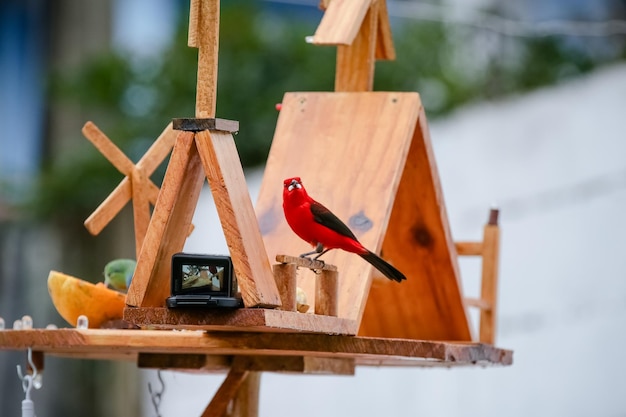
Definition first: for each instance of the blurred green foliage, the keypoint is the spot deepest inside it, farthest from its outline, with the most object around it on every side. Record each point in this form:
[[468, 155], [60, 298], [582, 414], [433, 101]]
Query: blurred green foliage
[[263, 55]]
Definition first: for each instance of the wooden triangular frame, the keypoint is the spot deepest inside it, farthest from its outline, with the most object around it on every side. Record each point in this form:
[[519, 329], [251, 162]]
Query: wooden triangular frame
[[367, 156], [196, 155]]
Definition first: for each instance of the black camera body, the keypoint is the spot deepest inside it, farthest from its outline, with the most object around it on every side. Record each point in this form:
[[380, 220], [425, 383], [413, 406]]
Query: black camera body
[[204, 281]]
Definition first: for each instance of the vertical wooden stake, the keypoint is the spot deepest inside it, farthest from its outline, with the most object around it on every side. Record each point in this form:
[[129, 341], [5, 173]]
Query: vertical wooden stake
[[355, 62], [326, 293], [246, 401], [489, 285], [285, 276], [204, 29], [141, 208]]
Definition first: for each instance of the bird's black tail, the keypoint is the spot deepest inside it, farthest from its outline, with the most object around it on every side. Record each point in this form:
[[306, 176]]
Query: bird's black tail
[[383, 266]]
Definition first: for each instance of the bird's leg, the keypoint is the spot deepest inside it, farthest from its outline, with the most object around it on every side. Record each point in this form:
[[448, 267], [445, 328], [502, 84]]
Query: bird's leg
[[320, 254], [319, 248]]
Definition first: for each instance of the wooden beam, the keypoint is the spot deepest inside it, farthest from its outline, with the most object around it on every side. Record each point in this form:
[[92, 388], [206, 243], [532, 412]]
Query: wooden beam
[[186, 361], [384, 40], [355, 62], [246, 401], [172, 215], [341, 22], [489, 282], [239, 223], [222, 399], [469, 248], [204, 28], [102, 344]]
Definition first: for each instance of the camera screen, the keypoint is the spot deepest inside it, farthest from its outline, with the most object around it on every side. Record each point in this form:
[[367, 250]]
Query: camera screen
[[206, 277]]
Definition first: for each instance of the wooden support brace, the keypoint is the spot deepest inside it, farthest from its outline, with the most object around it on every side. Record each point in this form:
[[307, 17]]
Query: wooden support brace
[[489, 282], [169, 225], [469, 248], [222, 401], [239, 223], [141, 207]]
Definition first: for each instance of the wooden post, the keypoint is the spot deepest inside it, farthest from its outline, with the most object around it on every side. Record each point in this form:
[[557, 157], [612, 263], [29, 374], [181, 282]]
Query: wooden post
[[489, 285], [246, 401], [326, 293], [285, 276], [355, 62], [222, 401], [204, 29]]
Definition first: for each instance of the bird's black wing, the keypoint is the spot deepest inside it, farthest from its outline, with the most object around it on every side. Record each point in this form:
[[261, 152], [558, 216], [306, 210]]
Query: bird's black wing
[[326, 218]]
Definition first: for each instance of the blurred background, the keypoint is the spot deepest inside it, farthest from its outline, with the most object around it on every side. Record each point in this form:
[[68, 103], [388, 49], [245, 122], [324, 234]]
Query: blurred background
[[525, 99]]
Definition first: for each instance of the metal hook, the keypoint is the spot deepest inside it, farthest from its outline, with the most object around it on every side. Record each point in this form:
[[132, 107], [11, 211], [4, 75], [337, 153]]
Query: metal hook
[[27, 379], [157, 396]]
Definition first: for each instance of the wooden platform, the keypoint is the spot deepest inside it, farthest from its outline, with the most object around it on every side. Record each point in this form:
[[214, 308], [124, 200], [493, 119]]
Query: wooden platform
[[244, 319], [130, 344]]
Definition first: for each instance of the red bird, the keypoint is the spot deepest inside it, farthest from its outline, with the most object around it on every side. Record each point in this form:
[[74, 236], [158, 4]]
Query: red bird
[[317, 225]]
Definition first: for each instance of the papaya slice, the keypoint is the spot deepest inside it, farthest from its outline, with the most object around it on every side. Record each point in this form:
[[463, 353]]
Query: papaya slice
[[73, 296]]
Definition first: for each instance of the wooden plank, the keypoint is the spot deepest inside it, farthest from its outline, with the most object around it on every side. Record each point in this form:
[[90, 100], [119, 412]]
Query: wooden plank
[[341, 22], [206, 39], [246, 319], [241, 229], [346, 147], [295, 364], [185, 361], [489, 281], [225, 394], [194, 19], [172, 215], [419, 243], [355, 62], [365, 350], [384, 41], [141, 208], [116, 201], [469, 248], [477, 303]]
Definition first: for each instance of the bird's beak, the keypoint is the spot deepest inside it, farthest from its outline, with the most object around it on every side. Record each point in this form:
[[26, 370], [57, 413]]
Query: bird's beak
[[293, 184]]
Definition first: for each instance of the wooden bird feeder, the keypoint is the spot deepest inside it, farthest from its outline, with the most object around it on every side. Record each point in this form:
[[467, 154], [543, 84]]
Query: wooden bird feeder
[[368, 155]]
